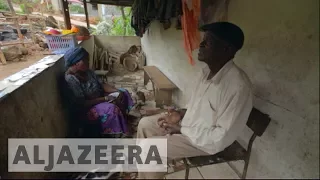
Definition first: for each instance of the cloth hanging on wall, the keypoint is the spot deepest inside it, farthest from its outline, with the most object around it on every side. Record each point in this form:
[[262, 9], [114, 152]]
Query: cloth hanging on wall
[[145, 11], [213, 11], [190, 21], [197, 13]]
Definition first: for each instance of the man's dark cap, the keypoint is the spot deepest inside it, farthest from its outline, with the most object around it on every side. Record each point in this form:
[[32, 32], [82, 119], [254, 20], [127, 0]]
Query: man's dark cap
[[228, 32]]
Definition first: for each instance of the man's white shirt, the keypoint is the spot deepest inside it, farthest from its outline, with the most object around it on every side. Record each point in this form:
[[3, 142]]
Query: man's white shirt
[[218, 109]]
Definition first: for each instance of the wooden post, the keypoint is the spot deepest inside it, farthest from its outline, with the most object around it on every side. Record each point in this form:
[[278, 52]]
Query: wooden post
[[2, 57], [86, 13], [32, 31], [43, 18], [124, 20], [66, 14], [31, 27], [16, 20]]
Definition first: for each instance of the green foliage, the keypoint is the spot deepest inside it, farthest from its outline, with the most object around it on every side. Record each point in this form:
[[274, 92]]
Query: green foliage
[[50, 7], [76, 8], [17, 1], [122, 25], [4, 6], [103, 28], [26, 6], [23, 8]]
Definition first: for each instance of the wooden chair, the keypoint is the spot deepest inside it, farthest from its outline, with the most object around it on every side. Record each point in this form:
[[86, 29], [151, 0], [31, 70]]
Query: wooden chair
[[257, 122]]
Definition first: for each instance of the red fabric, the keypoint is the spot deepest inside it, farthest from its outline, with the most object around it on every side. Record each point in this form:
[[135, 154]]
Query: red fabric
[[191, 33]]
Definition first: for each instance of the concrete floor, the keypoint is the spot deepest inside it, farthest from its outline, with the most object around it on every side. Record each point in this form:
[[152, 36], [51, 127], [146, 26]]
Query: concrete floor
[[218, 171]]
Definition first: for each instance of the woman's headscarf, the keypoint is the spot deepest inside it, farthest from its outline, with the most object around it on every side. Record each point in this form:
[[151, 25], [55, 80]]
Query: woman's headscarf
[[74, 55]]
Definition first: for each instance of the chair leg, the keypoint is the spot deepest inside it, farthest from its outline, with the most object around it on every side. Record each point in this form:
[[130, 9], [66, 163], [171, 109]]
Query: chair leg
[[187, 169], [245, 169], [247, 158]]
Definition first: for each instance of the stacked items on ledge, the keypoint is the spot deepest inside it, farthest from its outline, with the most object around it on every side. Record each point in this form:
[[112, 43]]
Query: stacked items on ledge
[[81, 33], [59, 41]]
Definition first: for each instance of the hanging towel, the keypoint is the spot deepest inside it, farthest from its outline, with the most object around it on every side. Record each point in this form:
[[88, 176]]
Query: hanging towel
[[190, 23]]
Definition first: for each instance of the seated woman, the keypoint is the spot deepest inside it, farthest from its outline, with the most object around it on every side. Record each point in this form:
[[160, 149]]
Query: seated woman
[[93, 96]]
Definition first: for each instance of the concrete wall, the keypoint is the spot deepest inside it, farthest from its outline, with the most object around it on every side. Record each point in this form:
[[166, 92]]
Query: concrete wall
[[118, 44], [34, 110], [281, 57], [57, 5], [164, 49]]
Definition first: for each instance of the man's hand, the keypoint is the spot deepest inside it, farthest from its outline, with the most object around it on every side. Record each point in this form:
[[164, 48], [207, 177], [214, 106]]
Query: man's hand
[[182, 112], [172, 128], [161, 121]]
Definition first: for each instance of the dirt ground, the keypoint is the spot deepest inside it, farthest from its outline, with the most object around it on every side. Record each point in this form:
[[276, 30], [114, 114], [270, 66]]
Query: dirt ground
[[92, 20], [16, 66]]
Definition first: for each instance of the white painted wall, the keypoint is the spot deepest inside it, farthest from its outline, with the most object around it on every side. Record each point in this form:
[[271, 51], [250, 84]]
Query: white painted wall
[[164, 49], [281, 57], [57, 5]]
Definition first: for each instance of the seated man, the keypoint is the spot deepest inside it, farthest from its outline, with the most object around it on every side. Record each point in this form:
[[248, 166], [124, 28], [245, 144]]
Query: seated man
[[220, 104]]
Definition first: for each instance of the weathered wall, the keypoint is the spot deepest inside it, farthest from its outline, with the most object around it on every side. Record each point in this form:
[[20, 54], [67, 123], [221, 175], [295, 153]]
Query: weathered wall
[[119, 44], [34, 110], [281, 56], [164, 49]]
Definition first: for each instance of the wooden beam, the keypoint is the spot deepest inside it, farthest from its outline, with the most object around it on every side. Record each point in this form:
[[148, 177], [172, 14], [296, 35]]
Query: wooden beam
[[66, 14], [113, 2], [16, 20], [10, 43], [86, 13], [32, 31]]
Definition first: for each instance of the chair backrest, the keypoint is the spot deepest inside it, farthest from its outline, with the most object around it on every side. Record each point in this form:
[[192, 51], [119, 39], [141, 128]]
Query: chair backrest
[[258, 121]]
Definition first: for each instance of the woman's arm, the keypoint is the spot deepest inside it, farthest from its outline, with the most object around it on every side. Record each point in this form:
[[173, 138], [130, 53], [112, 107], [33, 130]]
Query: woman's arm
[[79, 97], [109, 89]]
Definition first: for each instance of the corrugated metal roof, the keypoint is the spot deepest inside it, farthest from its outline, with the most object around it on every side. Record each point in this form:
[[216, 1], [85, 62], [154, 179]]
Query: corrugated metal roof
[[112, 2]]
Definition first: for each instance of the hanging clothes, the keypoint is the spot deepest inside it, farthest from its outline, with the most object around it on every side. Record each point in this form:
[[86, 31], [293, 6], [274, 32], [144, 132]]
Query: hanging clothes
[[139, 19], [213, 11], [190, 29], [145, 11]]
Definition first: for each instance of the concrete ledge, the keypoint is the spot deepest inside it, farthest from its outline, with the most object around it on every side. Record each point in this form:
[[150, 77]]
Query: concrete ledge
[[16, 80], [33, 109]]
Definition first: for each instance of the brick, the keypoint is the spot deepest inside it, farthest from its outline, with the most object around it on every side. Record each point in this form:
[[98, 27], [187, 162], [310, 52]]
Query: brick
[[118, 78], [125, 79], [130, 83]]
